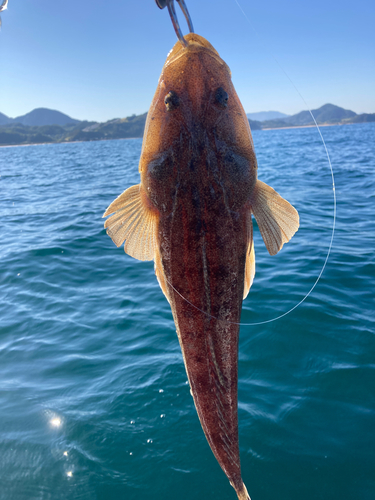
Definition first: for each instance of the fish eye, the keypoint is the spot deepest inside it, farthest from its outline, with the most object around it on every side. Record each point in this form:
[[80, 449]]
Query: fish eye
[[221, 97], [171, 100]]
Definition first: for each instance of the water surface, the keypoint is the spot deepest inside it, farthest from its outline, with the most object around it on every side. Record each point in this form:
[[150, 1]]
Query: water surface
[[94, 398]]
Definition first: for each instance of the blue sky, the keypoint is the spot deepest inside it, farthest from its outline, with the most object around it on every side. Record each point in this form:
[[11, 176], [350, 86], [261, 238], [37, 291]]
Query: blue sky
[[101, 60]]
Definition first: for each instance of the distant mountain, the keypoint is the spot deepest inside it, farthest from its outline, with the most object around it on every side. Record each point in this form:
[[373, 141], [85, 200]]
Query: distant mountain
[[120, 128], [43, 116], [17, 133], [262, 116], [13, 132], [4, 120], [329, 113]]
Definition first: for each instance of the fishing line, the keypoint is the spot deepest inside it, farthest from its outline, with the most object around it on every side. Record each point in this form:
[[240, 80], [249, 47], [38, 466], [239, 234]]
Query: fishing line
[[334, 208]]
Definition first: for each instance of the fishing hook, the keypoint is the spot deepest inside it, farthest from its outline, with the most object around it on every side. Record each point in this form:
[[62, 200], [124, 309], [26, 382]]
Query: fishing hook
[[172, 12], [3, 7]]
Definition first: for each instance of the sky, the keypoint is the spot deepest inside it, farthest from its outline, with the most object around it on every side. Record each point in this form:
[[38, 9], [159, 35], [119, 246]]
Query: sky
[[100, 60]]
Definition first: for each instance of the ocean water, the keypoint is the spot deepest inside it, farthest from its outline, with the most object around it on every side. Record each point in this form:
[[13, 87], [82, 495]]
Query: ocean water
[[94, 401]]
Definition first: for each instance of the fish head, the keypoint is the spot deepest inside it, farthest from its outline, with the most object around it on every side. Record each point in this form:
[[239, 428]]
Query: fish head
[[195, 73], [195, 108]]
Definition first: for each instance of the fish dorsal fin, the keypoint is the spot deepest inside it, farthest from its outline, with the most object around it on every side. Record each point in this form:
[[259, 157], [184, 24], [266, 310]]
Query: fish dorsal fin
[[134, 222], [250, 259], [277, 219]]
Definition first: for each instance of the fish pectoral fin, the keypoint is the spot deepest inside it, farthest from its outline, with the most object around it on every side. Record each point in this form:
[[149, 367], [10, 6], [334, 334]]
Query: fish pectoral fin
[[250, 260], [277, 219], [134, 222]]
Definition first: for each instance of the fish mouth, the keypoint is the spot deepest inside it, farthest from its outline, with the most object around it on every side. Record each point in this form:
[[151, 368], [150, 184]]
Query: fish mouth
[[196, 43]]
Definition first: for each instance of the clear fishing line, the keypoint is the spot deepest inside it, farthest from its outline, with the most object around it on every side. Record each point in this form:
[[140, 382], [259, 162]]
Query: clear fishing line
[[334, 210]]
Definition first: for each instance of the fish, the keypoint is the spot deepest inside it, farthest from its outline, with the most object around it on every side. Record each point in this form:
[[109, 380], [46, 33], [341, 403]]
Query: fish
[[192, 214]]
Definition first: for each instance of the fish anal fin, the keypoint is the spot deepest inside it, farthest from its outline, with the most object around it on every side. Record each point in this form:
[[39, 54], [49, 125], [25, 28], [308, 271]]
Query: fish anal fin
[[160, 273], [277, 219], [133, 221], [250, 259], [249, 270]]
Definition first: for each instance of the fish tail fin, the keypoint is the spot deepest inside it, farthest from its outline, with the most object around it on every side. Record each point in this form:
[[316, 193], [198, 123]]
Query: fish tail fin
[[243, 494], [241, 491]]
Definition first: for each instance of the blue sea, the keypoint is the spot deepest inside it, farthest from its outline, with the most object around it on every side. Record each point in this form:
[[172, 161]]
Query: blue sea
[[94, 400]]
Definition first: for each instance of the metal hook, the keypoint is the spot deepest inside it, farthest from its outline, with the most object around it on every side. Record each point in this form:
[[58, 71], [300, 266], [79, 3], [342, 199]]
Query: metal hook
[[172, 12], [3, 6]]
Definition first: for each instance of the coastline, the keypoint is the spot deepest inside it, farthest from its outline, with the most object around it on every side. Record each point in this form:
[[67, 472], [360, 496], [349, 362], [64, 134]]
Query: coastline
[[128, 138], [63, 142], [310, 126]]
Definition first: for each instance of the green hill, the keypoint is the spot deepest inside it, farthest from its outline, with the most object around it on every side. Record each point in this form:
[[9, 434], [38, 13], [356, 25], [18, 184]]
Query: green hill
[[121, 128], [16, 133], [363, 118], [328, 114]]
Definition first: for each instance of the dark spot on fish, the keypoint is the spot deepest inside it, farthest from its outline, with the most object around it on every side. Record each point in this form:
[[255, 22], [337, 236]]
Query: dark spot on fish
[[195, 198], [235, 177], [236, 165], [160, 168], [171, 100], [223, 271], [221, 97], [192, 164]]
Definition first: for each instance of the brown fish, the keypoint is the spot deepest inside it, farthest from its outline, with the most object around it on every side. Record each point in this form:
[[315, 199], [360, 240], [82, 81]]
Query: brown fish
[[191, 214]]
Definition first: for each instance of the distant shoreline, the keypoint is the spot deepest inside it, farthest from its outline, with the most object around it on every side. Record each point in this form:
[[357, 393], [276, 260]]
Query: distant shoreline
[[46, 126], [311, 126], [64, 142], [129, 138]]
